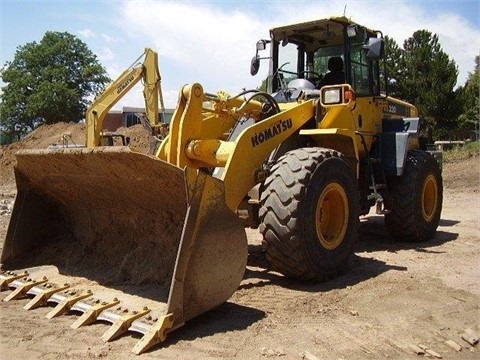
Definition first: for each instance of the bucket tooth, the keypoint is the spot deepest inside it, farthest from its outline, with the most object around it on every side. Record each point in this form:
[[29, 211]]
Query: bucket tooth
[[42, 294], [23, 288], [65, 302], [7, 277], [155, 334], [122, 322], [91, 311]]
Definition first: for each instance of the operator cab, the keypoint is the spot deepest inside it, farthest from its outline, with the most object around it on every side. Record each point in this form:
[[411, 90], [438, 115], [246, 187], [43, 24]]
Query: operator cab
[[325, 52]]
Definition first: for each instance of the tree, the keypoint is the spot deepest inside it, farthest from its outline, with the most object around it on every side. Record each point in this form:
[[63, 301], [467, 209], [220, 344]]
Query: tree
[[392, 69], [48, 82], [427, 80], [469, 94]]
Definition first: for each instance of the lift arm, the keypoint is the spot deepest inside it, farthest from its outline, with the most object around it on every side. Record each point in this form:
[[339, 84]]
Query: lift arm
[[190, 145], [149, 72]]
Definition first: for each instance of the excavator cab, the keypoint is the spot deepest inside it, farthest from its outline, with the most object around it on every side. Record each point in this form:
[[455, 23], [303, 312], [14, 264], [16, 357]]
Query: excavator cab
[[111, 139]]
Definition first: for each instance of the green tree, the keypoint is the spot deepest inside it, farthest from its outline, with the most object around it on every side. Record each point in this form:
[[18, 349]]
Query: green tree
[[427, 80], [469, 94], [392, 69], [49, 82]]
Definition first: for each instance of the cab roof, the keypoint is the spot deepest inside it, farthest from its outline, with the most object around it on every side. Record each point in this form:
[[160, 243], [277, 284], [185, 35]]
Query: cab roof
[[315, 34]]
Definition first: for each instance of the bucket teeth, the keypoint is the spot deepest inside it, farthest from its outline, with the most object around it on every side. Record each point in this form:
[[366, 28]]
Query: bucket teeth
[[155, 334], [123, 320], [65, 301], [7, 277], [91, 311], [42, 294], [23, 288], [122, 323]]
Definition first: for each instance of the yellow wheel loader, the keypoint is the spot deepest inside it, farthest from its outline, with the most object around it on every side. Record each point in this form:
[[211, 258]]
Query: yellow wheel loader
[[165, 234]]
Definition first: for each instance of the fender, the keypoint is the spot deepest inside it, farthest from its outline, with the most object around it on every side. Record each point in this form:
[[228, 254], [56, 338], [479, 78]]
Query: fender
[[398, 136]]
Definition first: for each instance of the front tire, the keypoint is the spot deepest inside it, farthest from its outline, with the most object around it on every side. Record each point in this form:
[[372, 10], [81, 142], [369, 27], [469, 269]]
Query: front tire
[[415, 199], [309, 213]]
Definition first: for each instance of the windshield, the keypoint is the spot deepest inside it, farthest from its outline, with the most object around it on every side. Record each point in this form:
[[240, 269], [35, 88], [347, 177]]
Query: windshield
[[324, 52], [287, 64], [293, 64], [322, 56]]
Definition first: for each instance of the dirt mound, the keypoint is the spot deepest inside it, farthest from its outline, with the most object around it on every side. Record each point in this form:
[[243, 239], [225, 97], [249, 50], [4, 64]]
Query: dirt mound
[[140, 138], [61, 134], [462, 175]]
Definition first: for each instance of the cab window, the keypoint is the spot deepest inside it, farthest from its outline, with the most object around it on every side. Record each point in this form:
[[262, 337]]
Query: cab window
[[364, 74]]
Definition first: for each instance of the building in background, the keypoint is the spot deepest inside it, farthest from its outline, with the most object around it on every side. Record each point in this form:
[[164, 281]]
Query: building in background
[[130, 116]]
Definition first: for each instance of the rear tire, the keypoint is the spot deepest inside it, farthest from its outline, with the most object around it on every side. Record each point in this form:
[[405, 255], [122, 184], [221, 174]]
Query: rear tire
[[415, 199], [309, 213]]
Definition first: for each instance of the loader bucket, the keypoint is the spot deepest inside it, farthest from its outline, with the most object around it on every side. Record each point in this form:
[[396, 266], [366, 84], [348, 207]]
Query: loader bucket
[[121, 218]]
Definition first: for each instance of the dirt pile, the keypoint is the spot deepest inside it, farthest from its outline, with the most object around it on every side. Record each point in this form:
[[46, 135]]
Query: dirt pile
[[61, 134], [462, 175], [105, 203]]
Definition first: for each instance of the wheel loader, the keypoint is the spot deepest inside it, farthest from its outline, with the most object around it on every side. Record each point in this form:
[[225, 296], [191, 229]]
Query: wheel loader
[[301, 160]]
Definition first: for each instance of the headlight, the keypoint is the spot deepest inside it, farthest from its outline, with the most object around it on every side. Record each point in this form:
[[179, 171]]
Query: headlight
[[337, 95], [332, 96]]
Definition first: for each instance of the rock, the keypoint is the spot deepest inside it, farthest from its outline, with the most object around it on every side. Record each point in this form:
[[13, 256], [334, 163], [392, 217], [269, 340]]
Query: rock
[[416, 349], [470, 337], [453, 345], [433, 353], [306, 355], [271, 352]]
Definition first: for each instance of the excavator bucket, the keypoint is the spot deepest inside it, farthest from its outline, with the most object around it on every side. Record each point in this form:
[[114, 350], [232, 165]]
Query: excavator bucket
[[124, 221]]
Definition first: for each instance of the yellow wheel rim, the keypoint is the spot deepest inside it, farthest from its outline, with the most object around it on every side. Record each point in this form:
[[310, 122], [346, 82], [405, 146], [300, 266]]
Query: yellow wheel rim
[[429, 198], [332, 216]]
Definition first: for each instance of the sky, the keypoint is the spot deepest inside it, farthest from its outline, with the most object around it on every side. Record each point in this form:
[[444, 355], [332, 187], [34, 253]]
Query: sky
[[212, 41]]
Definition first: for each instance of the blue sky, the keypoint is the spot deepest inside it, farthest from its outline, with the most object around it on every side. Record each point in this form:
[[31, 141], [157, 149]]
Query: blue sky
[[212, 42]]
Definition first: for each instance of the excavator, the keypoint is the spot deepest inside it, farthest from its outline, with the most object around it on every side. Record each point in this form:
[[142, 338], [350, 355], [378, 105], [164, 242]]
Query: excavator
[[301, 160], [147, 71]]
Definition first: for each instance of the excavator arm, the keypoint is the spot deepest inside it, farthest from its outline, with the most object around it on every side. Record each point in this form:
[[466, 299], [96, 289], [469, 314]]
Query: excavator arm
[[148, 72]]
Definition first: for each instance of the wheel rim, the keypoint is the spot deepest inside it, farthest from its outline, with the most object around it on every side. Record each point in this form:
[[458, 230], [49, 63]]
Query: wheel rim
[[429, 198], [332, 216]]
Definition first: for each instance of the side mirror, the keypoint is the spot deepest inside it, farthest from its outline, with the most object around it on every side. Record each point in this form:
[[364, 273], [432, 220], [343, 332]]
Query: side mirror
[[254, 65], [261, 45], [374, 48]]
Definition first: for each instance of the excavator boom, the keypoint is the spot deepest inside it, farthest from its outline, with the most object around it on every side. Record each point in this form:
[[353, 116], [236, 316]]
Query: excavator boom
[[147, 71]]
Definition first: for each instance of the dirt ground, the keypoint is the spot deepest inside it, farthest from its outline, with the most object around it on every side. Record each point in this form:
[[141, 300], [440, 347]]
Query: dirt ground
[[393, 296]]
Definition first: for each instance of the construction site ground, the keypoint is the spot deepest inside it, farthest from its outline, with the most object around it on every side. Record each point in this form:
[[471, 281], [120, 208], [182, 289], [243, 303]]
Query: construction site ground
[[393, 300]]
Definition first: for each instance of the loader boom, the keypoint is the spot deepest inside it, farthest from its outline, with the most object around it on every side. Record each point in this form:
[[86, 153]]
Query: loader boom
[[148, 72], [197, 147]]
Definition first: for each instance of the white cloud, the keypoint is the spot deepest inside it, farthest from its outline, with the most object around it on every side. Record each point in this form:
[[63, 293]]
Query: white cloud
[[208, 45], [87, 33], [109, 39], [105, 54]]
